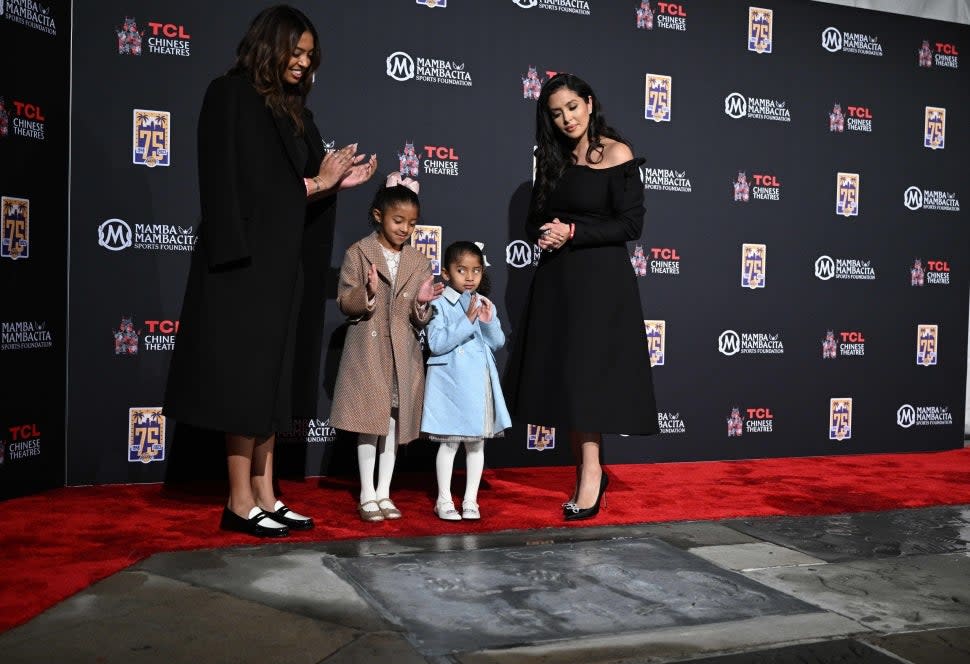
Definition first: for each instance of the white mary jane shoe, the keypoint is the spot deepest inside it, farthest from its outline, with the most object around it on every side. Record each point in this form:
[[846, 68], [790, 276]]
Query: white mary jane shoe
[[446, 511], [469, 510]]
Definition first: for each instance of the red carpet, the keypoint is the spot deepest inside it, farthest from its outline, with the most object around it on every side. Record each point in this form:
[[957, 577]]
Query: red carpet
[[61, 541]]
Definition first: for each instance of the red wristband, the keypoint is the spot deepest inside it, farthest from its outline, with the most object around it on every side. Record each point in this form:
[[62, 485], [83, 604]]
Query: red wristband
[[572, 231]]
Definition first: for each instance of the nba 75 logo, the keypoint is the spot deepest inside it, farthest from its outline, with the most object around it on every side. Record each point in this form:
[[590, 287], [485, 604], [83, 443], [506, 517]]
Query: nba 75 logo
[[146, 435], [840, 418], [656, 341], [847, 194], [540, 438], [927, 342], [427, 240], [14, 228], [753, 265], [934, 128], [759, 29], [658, 97], [152, 138]]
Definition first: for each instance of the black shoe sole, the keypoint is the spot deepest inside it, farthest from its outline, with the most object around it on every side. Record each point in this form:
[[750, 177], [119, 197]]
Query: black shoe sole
[[293, 524]]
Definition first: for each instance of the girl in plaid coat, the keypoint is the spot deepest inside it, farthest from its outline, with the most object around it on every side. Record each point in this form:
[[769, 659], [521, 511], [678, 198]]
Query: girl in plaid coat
[[385, 288]]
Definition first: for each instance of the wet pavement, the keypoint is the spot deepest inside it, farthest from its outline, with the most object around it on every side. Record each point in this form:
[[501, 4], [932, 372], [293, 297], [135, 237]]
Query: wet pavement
[[872, 588]]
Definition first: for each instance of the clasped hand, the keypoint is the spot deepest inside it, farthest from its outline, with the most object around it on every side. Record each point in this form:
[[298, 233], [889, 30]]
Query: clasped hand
[[554, 235]]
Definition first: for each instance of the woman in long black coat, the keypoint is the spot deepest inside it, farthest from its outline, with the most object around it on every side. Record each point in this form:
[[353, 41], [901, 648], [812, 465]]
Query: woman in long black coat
[[580, 360], [267, 193]]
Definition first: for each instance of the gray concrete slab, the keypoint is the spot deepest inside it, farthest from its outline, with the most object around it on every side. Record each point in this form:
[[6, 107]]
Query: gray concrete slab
[[298, 581], [140, 617], [867, 535], [513, 596], [631, 594], [684, 534], [826, 652], [939, 646], [673, 643], [691, 534], [887, 595], [377, 647], [756, 555]]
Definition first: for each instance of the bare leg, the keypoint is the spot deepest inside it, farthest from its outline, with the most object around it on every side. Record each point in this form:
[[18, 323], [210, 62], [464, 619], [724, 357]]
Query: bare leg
[[575, 444], [587, 445], [239, 459], [262, 473]]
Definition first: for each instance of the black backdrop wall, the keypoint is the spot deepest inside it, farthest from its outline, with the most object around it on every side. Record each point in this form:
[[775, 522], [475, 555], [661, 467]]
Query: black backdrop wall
[[34, 119], [796, 173]]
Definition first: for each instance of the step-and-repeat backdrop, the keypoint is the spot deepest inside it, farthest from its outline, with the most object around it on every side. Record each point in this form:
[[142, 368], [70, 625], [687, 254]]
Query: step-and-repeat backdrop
[[803, 266], [34, 120]]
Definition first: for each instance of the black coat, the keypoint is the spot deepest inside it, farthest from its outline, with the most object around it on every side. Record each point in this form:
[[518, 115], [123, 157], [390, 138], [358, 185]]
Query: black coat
[[255, 284]]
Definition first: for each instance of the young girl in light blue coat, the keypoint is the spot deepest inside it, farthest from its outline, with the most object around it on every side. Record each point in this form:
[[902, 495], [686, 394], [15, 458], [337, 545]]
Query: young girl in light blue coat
[[463, 401]]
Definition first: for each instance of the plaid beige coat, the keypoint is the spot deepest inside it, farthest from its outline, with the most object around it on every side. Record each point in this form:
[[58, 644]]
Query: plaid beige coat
[[381, 339]]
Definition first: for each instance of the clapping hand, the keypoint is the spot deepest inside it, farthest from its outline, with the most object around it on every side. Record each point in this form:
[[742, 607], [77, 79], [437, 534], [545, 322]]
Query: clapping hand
[[359, 172], [486, 311], [372, 281], [336, 166], [474, 308], [429, 291]]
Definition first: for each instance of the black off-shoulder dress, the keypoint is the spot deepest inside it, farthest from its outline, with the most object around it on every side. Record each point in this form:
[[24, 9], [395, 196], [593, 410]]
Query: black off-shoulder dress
[[579, 358]]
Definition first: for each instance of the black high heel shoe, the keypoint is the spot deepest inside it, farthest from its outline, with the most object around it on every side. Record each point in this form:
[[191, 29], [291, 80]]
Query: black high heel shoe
[[574, 512]]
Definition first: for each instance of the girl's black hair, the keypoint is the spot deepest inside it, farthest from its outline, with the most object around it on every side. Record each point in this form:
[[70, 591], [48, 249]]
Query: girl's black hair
[[458, 249], [387, 196], [554, 150]]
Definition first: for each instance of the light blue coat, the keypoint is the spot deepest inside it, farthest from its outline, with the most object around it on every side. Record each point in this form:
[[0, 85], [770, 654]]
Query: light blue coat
[[461, 352]]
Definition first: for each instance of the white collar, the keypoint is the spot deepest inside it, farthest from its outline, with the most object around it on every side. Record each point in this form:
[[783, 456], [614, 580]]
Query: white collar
[[451, 295]]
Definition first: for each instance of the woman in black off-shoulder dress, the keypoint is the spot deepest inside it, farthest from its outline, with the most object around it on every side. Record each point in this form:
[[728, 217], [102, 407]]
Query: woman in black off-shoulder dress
[[580, 360]]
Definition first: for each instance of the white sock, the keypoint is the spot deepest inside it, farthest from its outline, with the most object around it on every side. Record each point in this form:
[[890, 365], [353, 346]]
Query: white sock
[[475, 464], [366, 460], [385, 465], [443, 464]]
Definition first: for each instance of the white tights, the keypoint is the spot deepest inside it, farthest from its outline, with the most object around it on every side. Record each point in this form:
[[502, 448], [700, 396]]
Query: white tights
[[367, 458], [474, 463]]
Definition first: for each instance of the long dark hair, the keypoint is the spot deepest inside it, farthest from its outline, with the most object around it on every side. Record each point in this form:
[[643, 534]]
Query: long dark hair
[[264, 53], [554, 150], [458, 249]]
